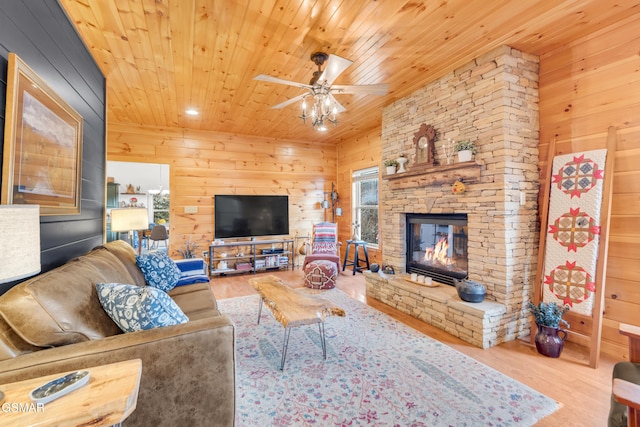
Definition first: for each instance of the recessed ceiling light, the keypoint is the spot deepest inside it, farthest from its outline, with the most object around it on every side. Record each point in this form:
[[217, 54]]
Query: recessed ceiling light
[[192, 112]]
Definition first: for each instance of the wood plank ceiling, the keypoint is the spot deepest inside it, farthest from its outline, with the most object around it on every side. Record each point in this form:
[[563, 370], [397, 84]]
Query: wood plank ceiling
[[161, 57]]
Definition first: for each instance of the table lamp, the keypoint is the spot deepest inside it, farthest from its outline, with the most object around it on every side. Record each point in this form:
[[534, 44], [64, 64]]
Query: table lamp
[[130, 220], [20, 237]]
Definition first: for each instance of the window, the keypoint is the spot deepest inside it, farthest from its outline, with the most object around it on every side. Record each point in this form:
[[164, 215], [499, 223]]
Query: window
[[160, 207], [365, 205]]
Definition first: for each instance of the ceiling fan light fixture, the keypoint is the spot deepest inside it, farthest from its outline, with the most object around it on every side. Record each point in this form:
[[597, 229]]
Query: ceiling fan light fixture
[[321, 110], [324, 107]]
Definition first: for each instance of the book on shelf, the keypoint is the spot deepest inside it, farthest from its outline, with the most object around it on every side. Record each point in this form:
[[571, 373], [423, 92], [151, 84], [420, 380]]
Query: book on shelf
[[243, 266]]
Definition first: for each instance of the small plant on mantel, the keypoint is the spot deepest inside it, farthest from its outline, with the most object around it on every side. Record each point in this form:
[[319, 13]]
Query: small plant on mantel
[[389, 163], [465, 145], [549, 314]]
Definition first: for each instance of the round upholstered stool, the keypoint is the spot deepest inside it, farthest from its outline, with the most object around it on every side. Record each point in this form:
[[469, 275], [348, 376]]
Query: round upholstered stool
[[320, 274]]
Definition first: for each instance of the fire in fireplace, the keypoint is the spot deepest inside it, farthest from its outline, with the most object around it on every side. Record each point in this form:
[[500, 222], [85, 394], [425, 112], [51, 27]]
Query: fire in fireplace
[[437, 246]]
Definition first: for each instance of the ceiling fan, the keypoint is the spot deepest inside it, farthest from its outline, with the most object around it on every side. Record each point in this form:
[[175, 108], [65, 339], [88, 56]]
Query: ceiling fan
[[325, 107]]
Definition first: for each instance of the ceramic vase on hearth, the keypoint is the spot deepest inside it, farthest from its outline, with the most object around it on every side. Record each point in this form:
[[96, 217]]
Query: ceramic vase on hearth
[[550, 340]]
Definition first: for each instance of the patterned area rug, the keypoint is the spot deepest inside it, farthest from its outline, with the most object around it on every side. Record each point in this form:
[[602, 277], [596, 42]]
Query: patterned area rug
[[378, 372]]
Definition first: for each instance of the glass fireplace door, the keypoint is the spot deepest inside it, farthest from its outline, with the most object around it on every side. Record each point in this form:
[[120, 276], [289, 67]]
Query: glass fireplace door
[[437, 246]]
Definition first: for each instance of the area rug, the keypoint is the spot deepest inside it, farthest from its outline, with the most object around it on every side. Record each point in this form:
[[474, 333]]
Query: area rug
[[378, 372]]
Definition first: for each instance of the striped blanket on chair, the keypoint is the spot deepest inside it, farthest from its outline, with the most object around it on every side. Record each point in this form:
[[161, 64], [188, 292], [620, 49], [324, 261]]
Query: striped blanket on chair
[[325, 238]]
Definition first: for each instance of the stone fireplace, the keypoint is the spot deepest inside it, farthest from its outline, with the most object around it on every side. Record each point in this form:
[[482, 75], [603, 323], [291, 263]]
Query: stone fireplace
[[493, 102]]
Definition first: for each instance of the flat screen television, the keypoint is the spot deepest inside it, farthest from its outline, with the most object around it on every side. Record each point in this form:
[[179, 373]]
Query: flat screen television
[[250, 216]]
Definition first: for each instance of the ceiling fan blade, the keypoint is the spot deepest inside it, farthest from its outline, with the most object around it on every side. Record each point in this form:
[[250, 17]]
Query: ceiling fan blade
[[288, 102], [339, 107], [377, 89], [266, 78], [335, 66]]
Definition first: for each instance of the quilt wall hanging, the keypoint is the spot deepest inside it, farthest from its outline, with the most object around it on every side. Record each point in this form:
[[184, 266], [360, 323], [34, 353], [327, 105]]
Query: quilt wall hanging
[[571, 251]]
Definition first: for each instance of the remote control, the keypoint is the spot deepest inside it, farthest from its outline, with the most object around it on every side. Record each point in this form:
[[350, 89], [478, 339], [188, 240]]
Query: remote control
[[59, 387]]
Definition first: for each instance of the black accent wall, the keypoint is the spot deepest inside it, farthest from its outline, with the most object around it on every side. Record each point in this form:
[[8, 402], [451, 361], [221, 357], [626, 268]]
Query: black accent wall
[[41, 34]]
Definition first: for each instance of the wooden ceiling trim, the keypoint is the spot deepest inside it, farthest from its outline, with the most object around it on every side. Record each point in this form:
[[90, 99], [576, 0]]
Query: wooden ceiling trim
[[87, 14], [207, 56], [159, 56], [248, 35], [165, 63], [182, 18], [618, 43], [275, 50], [142, 55], [263, 35], [298, 67], [572, 21], [118, 43]]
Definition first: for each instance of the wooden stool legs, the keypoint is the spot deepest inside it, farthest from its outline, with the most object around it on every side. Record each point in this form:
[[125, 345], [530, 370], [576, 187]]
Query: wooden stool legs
[[355, 262]]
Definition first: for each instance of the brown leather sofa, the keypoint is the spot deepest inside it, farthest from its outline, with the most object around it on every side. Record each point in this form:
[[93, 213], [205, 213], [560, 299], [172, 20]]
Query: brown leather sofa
[[54, 323]]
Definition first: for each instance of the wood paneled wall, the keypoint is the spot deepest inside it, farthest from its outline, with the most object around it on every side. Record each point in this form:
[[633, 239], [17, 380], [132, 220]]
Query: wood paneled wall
[[203, 164], [361, 153], [585, 87], [40, 33]]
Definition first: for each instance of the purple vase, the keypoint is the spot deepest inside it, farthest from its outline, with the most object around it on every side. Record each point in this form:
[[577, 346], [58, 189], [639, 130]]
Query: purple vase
[[548, 340]]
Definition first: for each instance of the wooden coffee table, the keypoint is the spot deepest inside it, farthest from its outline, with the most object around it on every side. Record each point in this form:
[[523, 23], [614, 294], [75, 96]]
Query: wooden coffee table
[[108, 399], [293, 308]]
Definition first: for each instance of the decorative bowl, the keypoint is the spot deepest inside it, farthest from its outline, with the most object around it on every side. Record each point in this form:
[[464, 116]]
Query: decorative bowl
[[388, 269], [470, 291]]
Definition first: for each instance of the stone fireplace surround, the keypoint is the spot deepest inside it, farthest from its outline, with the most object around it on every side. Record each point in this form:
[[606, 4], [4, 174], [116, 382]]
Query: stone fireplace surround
[[492, 101]]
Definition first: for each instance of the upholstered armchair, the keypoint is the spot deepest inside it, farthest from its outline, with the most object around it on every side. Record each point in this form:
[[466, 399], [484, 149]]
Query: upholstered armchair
[[625, 396], [324, 245]]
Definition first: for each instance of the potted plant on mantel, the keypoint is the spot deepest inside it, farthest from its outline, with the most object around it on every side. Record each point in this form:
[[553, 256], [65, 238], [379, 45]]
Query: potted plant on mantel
[[465, 149], [548, 319], [391, 166]]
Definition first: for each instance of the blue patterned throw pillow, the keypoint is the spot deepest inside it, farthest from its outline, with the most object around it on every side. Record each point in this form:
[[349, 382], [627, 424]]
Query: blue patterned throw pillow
[[159, 271], [135, 308]]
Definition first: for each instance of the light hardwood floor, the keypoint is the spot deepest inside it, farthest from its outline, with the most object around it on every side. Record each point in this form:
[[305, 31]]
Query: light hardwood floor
[[583, 393]]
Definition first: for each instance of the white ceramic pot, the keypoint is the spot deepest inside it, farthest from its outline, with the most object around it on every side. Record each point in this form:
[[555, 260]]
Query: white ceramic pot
[[465, 156], [391, 170], [401, 161]]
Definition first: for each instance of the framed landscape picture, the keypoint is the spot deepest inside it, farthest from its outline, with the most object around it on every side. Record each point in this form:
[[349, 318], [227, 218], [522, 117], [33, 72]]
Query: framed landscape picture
[[42, 157]]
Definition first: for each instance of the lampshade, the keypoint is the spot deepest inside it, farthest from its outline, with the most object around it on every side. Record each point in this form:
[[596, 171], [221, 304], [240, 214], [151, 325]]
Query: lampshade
[[325, 204], [129, 219], [19, 242]]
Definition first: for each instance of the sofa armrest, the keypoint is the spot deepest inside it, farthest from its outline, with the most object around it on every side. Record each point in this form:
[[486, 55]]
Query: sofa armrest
[[188, 370]]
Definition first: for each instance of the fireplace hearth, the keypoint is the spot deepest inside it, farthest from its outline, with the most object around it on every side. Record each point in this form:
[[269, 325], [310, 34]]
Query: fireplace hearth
[[437, 246]]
